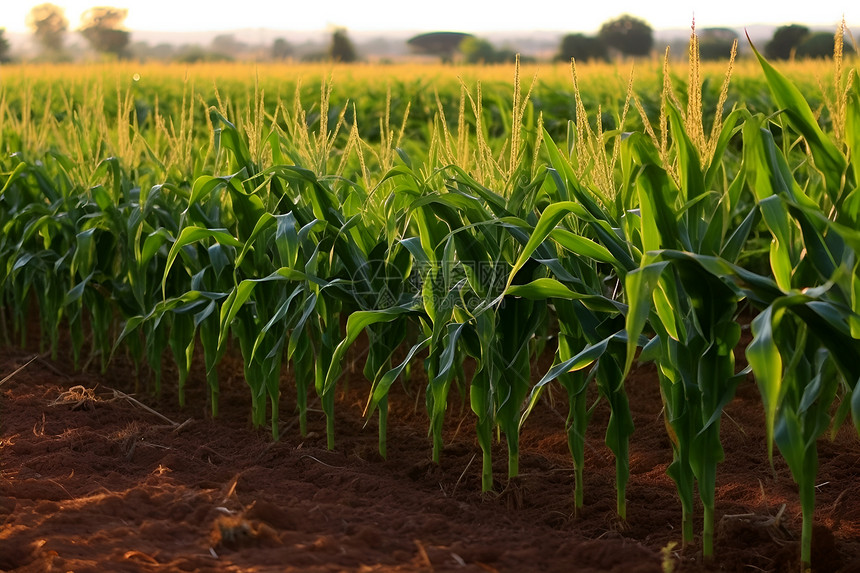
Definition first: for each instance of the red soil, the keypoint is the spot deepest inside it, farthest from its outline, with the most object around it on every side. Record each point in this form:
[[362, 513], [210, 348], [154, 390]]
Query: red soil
[[93, 482]]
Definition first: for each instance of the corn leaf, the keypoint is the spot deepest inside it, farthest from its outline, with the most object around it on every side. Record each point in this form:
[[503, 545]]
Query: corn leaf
[[828, 159], [191, 235]]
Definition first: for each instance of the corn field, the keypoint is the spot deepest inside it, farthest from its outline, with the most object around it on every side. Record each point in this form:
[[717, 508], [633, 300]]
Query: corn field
[[463, 227]]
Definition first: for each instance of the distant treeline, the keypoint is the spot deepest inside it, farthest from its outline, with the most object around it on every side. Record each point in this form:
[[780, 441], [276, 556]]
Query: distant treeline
[[106, 37]]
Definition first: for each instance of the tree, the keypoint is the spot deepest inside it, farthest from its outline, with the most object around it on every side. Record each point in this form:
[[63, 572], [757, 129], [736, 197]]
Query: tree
[[4, 47], [102, 27], [818, 45], [628, 34], [228, 46], [49, 25], [716, 43], [582, 48], [142, 51], [192, 54], [341, 49], [442, 44], [281, 49], [785, 40], [480, 51]]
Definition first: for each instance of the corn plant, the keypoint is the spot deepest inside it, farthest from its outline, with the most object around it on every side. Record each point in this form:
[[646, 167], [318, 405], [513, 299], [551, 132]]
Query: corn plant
[[600, 323], [805, 340]]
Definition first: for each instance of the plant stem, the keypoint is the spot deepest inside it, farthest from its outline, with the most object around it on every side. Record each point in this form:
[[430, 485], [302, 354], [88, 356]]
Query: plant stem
[[437, 447], [487, 471], [513, 455], [258, 410], [276, 434], [214, 392], [807, 504], [577, 423], [577, 488], [621, 499], [708, 533], [328, 408], [686, 527], [485, 439]]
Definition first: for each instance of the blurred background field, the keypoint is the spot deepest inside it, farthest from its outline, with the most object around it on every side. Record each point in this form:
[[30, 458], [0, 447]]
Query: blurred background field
[[156, 91]]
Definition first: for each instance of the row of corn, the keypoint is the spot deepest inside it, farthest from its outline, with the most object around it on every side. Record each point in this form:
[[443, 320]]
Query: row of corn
[[291, 237]]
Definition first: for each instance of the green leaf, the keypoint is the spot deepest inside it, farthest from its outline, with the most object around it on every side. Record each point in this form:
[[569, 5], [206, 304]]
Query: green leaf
[[279, 315], [77, 291], [689, 164], [734, 246], [667, 308], [191, 235], [546, 224], [660, 228], [778, 221], [854, 319], [545, 288], [287, 240], [586, 357], [583, 246], [84, 258], [852, 139], [639, 286], [204, 186], [263, 223], [152, 243], [766, 363], [828, 159], [382, 387], [355, 324], [20, 168], [232, 140], [230, 308], [729, 129], [219, 258]]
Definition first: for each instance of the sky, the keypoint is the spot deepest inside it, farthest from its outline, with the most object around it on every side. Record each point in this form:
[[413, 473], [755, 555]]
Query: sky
[[455, 15]]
